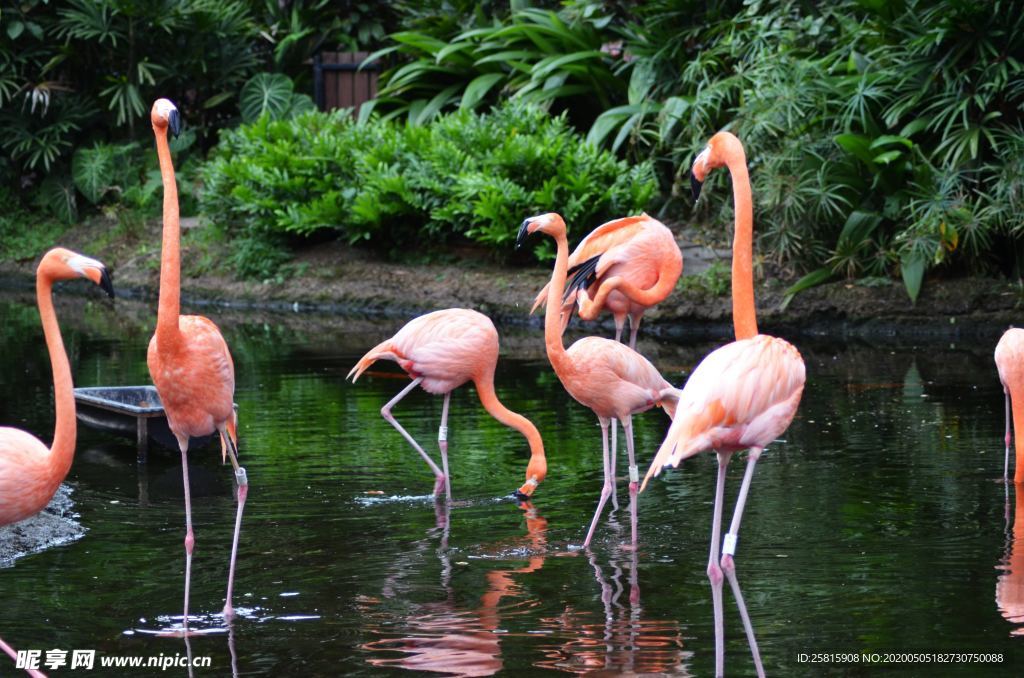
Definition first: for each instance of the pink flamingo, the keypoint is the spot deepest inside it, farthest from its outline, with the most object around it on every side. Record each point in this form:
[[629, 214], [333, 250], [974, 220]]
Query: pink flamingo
[[610, 378], [189, 360], [30, 472], [741, 396], [442, 351], [1010, 363], [624, 266]]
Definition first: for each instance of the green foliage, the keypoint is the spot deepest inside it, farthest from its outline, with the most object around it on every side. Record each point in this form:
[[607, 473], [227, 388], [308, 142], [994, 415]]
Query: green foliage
[[463, 177], [542, 57], [910, 111], [714, 281], [273, 94]]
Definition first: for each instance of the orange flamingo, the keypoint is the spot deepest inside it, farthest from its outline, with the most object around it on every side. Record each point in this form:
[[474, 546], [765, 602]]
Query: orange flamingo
[[189, 360], [741, 396], [625, 266], [1010, 363], [610, 378], [30, 472], [442, 351]]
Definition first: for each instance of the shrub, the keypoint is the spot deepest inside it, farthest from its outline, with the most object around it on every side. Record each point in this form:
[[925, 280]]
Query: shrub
[[464, 177]]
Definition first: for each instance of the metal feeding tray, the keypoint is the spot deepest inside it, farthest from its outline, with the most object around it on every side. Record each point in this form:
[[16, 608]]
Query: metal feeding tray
[[133, 412]]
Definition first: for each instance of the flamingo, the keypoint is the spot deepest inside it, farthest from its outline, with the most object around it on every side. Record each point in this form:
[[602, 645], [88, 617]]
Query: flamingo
[[30, 472], [627, 266], [189, 360], [1010, 363], [441, 351], [610, 378], [741, 396]]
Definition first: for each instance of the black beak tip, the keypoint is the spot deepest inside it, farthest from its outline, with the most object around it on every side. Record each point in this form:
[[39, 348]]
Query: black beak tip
[[520, 497], [174, 122], [695, 187], [106, 283], [523, 233]]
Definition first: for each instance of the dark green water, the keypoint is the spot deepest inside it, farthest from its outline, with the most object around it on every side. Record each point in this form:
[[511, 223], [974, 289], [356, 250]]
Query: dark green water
[[880, 524]]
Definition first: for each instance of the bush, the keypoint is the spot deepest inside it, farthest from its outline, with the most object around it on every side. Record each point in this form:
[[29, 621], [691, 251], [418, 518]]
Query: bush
[[464, 177]]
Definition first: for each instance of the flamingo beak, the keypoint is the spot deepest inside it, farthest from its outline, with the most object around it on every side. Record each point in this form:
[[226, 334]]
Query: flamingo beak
[[695, 186], [106, 284], [174, 122], [523, 234]]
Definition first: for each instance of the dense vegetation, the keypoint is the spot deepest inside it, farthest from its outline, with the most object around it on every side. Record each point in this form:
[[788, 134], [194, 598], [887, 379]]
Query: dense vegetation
[[885, 137], [464, 176]]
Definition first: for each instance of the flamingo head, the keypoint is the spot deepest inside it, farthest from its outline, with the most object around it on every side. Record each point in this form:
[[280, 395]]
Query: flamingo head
[[165, 116], [550, 223], [536, 471], [63, 264], [720, 147]]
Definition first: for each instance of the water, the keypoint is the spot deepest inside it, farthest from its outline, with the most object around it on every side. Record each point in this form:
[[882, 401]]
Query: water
[[879, 524]]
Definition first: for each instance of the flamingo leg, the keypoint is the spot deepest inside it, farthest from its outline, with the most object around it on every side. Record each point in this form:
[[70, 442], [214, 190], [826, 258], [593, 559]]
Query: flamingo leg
[[1007, 439], [614, 457], [606, 489], [190, 539], [620, 324], [9, 651], [634, 474], [386, 413], [714, 570], [728, 563], [442, 442], [243, 492], [634, 328]]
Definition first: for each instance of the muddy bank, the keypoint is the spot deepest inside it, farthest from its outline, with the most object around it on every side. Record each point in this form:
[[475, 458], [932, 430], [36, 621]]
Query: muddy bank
[[333, 279], [55, 525]]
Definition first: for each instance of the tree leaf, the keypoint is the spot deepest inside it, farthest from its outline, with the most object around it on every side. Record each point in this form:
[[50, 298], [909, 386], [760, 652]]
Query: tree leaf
[[812, 279], [478, 88], [912, 269], [265, 92]]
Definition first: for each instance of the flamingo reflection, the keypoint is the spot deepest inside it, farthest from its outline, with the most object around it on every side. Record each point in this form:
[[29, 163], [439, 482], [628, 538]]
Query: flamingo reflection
[[444, 636], [1010, 584], [624, 642]]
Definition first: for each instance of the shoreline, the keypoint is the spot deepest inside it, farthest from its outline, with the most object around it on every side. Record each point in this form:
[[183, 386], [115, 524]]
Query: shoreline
[[953, 310]]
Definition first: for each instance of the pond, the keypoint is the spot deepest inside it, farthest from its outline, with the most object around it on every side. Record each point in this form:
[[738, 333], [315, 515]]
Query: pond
[[879, 524]]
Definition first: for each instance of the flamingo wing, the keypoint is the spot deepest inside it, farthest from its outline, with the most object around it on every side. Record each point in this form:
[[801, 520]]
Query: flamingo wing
[[743, 394], [447, 348], [1009, 357], [195, 378], [26, 485], [593, 247]]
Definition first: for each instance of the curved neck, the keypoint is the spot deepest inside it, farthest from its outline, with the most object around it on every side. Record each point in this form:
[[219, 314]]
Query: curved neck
[[489, 399], [63, 449], [744, 315], [552, 312], [170, 258]]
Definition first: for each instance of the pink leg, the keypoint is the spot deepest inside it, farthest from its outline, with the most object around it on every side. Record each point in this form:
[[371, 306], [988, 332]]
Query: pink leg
[[442, 442], [620, 324], [190, 539], [634, 328], [14, 657], [243, 492], [386, 413], [634, 475], [714, 571], [614, 458], [606, 490], [1007, 439], [729, 564]]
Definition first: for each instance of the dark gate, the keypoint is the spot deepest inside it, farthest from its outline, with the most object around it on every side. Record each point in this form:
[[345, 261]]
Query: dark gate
[[338, 81]]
